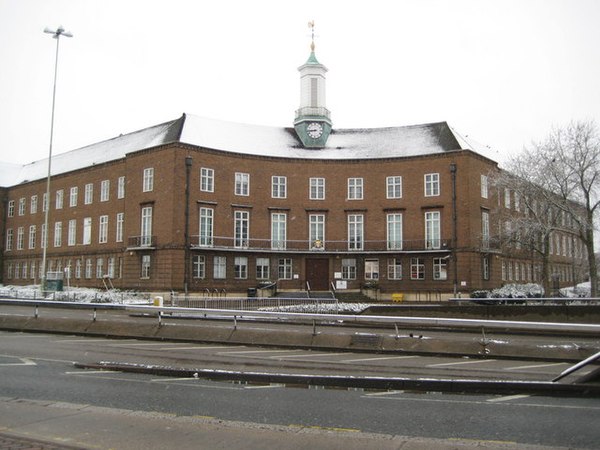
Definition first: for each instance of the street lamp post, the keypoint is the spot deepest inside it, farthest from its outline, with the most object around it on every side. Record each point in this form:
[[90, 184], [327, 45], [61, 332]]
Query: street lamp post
[[56, 34]]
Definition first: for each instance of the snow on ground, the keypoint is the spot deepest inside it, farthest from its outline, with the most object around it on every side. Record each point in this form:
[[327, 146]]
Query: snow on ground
[[321, 308], [75, 294]]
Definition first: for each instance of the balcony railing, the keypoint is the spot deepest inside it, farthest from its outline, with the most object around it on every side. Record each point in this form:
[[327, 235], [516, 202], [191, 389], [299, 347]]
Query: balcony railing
[[141, 242], [313, 111], [287, 246]]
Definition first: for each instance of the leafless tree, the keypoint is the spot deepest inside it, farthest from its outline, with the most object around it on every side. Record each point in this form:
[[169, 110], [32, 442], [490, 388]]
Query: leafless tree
[[563, 171]]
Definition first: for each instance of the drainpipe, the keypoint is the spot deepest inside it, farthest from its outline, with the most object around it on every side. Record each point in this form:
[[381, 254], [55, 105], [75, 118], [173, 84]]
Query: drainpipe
[[186, 262], [454, 226]]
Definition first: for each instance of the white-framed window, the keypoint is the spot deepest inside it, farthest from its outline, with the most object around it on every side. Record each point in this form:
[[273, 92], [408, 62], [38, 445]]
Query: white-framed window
[[278, 231], [485, 229], [394, 269], [355, 231], [44, 237], [372, 269], [284, 269], [316, 232], [17, 270], [394, 231], [103, 230], [20, 238], [440, 268], [146, 266], [242, 184], [9, 239], [121, 187], [33, 204], [278, 186], [432, 230], [355, 188], [349, 268], [507, 198], [263, 268], [57, 234], [484, 186], [22, 202], [485, 267], [432, 184], [60, 198], [148, 180], [45, 202], [316, 189], [9, 270], [417, 269], [119, 228], [87, 231], [111, 267], [146, 226], [88, 268], [32, 270], [73, 192], [88, 195], [104, 190], [78, 268], [32, 232], [241, 229], [206, 227], [240, 267], [219, 267], [24, 270], [72, 233], [11, 208], [394, 187], [99, 267], [207, 179], [199, 266]]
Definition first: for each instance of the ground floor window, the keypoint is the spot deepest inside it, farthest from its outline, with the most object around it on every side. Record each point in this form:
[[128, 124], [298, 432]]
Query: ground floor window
[[199, 266], [485, 267], [372, 269], [240, 267], [219, 267], [417, 269], [349, 268], [262, 269], [285, 269], [146, 265], [440, 269], [394, 269]]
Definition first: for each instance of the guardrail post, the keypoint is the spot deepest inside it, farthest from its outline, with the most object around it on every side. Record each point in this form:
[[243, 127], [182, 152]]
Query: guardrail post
[[484, 342], [314, 327], [94, 317], [160, 318], [397, 332], [35, 314], [235, 322]]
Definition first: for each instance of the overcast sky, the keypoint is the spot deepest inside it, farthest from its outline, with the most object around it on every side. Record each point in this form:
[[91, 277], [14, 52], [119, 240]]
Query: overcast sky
[[499, 72]]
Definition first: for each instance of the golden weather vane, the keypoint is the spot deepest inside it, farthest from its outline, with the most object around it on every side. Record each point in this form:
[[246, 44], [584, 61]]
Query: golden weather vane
[[311, 25]]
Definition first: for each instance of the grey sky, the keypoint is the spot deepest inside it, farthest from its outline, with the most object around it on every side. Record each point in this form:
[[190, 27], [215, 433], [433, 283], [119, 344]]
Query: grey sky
[[500, 72]]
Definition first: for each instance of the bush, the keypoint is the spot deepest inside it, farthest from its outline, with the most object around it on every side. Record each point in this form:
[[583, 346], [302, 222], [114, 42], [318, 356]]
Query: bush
[[529, 290], [480, 294]]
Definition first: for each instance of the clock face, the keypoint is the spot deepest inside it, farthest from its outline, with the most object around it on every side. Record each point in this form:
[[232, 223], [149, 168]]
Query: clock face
[[314, 130]]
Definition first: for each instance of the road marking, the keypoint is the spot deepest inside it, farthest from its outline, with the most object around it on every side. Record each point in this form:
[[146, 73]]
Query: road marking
[[257, 351], [266, 386], [199, 347], [24, 361], [479, 361], [308, 355], [378, 394], [89, 372], [508, 398], [535, 366], [139, 344], [379, 359], [77, 341]]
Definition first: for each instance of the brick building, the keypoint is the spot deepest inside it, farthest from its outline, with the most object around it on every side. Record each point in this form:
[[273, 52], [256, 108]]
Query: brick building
[[196, 204]]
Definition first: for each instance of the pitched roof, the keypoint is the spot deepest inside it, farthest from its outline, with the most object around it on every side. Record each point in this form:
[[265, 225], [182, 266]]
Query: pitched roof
[[343, 144]]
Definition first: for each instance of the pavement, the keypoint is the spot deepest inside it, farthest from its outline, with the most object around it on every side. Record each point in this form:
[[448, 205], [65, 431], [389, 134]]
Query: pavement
[[45, 425]]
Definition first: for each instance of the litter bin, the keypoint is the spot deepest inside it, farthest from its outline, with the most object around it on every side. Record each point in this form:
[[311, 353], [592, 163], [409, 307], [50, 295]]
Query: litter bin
[[158, 301], [251, 292]]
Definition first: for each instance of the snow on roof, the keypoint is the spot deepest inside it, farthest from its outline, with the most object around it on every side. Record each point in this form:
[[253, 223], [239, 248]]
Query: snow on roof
[[346, 144]]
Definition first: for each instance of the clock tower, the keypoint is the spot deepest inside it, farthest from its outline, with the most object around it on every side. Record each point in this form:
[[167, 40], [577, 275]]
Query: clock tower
[[313, 121]]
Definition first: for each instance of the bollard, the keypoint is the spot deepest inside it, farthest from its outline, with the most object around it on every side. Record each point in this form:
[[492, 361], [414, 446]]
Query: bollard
[[397, 332]]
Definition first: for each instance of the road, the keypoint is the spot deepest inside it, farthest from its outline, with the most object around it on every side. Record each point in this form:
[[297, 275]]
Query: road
[[38, 367]]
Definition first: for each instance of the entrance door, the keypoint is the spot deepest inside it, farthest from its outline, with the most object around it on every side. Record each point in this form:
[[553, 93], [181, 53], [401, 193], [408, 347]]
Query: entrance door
[[317, 273]]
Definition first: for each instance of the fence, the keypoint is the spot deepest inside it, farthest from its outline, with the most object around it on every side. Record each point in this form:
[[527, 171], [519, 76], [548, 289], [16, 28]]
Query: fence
[[85, 296], [318, 305]]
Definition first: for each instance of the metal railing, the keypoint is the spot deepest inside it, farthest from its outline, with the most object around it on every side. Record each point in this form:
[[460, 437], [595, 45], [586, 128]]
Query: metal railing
[[314, 305], [417, 245], [141, 241]]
